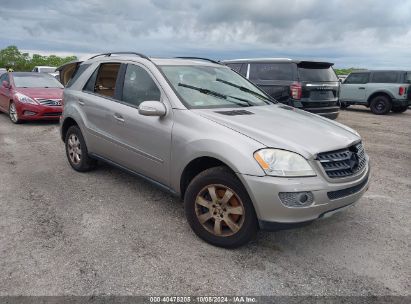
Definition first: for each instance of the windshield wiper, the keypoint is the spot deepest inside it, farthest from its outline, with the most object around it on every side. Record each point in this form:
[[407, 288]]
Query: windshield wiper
[[245, 103], [244, 89]]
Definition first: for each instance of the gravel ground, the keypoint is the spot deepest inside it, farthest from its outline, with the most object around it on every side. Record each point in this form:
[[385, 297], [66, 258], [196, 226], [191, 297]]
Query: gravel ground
[[106, 232]]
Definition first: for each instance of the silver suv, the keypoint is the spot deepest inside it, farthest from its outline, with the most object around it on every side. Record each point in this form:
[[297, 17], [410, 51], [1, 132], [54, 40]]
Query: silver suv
[[240, 160]]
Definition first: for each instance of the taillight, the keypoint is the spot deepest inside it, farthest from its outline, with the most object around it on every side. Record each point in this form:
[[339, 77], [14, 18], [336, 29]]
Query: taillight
[[296, 90], [401, 91]]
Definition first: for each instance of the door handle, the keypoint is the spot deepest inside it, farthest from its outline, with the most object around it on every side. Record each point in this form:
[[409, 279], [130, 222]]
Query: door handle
[[81, 102], [361, 88], [118, 117]]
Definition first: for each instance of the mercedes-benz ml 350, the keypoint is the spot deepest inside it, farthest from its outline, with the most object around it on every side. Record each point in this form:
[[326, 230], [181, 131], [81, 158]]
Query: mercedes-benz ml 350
[[240, 160]]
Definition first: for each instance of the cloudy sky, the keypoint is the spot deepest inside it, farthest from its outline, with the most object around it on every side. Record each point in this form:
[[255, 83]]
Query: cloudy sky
[[360, 33]]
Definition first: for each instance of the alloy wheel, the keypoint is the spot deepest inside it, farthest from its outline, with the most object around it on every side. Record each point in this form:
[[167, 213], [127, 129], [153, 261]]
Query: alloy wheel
[[219, 210], [13, 113], [74, 149]]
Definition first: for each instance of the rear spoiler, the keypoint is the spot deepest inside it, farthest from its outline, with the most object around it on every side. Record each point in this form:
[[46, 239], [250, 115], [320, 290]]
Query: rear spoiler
[[314, 64]]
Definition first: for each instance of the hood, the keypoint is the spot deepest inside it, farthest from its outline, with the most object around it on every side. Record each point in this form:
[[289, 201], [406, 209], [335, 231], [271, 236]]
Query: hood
[[284, 127], [46, 93]]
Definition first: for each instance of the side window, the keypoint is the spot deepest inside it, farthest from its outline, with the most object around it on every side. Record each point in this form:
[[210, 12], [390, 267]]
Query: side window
[[76, 73], [139, 86], [4, 77], [271, 71], [103, 80], [35, 70], [235, 66], [90, 85], [384, 77], [357, 78]]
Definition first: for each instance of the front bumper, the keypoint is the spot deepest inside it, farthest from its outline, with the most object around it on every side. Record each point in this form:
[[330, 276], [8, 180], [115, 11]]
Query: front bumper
[[28, 111], [264, 190]]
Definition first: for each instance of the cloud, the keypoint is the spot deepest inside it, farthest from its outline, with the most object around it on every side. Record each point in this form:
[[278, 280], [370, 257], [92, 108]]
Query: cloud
[[351, 33]]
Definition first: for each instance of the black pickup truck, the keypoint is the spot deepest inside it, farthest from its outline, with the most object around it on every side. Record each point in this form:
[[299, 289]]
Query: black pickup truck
[[309, 85]]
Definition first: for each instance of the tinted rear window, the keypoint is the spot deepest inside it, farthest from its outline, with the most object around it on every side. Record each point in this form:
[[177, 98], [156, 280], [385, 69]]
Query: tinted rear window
[[235, 66], [384, 77], [271, 71], [316, 74]]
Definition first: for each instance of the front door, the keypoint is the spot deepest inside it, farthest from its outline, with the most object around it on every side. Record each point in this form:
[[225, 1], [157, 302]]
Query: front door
[[144, 141], [353, 88], [4, 93]]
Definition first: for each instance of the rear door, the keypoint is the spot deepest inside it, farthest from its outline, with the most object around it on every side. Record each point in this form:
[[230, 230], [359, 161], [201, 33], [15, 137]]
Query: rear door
[[354, 87], [320, 85], [273, 78], [98, 104]]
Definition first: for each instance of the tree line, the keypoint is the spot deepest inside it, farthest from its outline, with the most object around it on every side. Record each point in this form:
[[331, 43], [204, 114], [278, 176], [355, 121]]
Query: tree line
[[12, 58]]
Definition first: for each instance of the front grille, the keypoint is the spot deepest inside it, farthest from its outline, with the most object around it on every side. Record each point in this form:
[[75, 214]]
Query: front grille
[[344, 162], [348, 191], [49, 102], [52, 114]]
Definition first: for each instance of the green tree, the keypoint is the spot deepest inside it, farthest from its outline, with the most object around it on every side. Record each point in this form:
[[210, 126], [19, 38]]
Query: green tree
[[11, 57]]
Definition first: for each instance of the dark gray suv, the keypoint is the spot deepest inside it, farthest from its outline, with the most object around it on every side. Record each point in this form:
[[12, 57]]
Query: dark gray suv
[[308, 85]]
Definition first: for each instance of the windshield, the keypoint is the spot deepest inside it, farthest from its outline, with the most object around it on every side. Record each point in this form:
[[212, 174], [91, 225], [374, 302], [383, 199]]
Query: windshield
[[213, 87], [36, 81], [317, 74]]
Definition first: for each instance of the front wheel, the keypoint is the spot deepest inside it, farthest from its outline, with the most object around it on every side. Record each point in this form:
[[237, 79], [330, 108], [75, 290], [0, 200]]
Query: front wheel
[[399, 109], [13, 114], [219, 210], [76, 151], [380, 105]]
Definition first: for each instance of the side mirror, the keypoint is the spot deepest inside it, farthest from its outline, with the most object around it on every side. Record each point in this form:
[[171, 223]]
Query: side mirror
[[152, 108], [5, 84]]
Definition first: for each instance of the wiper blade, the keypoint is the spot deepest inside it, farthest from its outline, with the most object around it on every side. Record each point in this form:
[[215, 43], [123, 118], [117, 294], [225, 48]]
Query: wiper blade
[[244, 89], [216, 94]]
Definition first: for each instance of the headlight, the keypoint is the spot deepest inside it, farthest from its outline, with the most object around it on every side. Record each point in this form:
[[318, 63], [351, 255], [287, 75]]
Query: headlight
[[25, 99], [283, 163]]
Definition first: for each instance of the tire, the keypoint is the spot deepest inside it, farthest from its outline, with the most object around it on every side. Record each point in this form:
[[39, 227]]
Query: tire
[[13, 114], [219, 226], [380, 105], [400, 109], [76, 151], [344, 105]]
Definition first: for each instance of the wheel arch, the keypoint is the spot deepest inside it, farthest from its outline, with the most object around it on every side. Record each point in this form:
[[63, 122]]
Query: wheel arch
[[196, 166], [379, 93], [67, 123]]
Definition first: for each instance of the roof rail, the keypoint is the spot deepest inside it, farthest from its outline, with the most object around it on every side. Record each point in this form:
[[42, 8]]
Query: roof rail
[[120, 53], [199, 58]]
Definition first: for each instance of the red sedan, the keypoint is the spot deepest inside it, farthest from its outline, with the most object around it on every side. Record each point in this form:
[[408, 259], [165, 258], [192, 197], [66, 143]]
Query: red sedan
[[30, 96]]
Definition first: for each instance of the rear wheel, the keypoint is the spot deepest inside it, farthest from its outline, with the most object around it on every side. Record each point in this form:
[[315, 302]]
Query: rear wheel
[[380, 105], [13, 114], [219, 210], [344, 105], [76, 151], [399, 109]]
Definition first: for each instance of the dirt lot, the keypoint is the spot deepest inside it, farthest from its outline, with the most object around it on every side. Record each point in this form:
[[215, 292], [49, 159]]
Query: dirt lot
[[106, 232]]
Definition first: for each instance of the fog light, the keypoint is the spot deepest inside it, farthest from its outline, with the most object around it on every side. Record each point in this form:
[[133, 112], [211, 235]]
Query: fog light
[[296, 199], [29, 113]]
